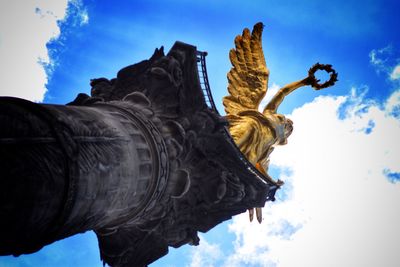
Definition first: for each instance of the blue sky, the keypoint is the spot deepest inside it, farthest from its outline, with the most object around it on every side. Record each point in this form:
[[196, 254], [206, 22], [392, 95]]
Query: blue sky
[[340, 203]]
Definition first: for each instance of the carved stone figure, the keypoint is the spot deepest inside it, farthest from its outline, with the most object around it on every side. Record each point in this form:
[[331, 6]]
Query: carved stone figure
[[257, 133]]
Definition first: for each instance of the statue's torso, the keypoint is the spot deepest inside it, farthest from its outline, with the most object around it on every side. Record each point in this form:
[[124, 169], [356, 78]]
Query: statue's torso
[[253, 135]]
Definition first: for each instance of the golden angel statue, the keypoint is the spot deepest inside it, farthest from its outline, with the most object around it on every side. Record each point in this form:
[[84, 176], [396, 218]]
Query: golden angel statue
[[255, 133]]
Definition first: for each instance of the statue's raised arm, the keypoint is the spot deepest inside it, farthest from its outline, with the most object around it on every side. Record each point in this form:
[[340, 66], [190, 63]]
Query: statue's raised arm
[[310, 80]]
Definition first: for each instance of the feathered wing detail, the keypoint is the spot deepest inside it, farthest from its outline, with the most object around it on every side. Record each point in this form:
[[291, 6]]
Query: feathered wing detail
[[248, 77]]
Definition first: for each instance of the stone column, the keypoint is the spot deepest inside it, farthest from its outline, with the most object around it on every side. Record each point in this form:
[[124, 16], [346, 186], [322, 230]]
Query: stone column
[[69, 169], [142, 161]]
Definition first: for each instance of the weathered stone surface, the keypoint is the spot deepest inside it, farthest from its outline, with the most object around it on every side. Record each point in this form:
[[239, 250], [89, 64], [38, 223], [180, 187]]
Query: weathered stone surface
[[142, 161]]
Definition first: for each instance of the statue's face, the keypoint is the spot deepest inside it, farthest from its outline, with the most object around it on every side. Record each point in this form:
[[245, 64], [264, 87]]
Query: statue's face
[[281, 125], [287, 125]]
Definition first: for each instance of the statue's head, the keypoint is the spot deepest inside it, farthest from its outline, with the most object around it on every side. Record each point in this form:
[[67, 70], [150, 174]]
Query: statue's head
[[287, 129], [280, 125]]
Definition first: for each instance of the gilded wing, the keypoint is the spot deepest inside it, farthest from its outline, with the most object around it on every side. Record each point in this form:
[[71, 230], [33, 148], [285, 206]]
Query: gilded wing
[[248, 77]]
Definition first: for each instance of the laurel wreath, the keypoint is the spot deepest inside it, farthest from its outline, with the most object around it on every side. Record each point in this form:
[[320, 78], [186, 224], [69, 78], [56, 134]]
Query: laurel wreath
[[326, 67]]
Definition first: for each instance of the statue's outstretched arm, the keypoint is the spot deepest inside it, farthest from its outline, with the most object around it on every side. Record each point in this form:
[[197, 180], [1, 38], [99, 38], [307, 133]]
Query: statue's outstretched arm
[[310, 80], [284, 91]]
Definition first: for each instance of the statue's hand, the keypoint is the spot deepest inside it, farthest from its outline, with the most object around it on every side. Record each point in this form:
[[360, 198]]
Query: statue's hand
[[315, 83]]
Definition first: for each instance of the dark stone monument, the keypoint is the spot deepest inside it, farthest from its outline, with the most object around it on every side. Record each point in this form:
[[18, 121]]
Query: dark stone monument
[[145, 161]]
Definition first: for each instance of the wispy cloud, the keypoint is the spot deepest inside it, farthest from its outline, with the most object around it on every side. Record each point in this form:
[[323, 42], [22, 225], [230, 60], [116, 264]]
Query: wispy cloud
[[395, 75], [379, 58], [205, 255], [25, 29], [392, 106], [386, 60], [77, 12]]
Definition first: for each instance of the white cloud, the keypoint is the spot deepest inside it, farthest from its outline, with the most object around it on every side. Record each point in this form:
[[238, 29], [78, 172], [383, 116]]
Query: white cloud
[[272, 90], [395, 75], [25, 29], [205, 255], [342, 209]]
